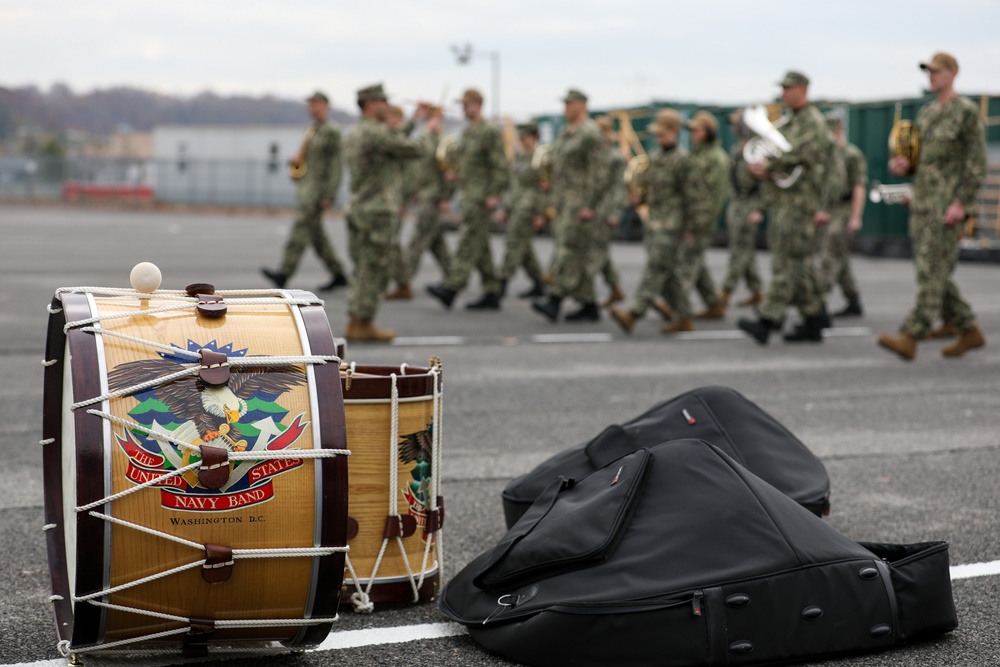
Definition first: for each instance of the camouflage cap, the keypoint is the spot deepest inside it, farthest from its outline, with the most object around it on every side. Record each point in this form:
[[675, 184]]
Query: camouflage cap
[[703, 119], [666, 119], [940, 61], [318, 96], [793, 78], [527, 128], [471, 95], [373, 92], [736, 117], [575, 95]]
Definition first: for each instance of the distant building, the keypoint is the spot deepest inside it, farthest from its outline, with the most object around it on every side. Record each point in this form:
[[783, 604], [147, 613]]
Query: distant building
[[225, 164]]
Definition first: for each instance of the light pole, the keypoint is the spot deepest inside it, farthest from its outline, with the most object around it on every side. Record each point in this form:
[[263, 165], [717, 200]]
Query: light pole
[[463, 54]]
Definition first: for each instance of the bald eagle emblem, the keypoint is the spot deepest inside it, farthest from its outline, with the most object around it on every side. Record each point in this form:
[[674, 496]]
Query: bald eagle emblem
[[240, 415], [417, 448]]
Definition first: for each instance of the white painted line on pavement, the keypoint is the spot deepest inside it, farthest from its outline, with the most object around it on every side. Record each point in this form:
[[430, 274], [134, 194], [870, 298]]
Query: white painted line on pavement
[[421, 341], [396, 635], [411, 633], [573, 338], [846, 332], [724, 334], [975, 570]]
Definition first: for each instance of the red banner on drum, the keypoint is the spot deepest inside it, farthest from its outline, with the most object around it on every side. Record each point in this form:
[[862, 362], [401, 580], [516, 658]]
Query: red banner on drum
[[217, 503]]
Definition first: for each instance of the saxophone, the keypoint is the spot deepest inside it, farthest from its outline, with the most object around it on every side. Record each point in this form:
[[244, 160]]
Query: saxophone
[[634, 172], [297, 168], [904, 139]]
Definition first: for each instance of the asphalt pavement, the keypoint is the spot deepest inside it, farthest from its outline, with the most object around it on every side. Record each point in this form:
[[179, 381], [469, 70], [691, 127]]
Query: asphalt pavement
[[913, 449]]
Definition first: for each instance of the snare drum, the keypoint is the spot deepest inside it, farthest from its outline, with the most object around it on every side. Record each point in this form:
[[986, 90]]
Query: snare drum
[[396, 511], [195, 469]]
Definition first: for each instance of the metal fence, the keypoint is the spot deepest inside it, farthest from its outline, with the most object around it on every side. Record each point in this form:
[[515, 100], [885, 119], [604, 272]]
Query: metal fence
[[241, 183]]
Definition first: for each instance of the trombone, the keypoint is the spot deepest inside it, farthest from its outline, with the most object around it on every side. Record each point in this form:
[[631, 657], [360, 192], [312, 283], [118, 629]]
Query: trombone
[[900, 193]]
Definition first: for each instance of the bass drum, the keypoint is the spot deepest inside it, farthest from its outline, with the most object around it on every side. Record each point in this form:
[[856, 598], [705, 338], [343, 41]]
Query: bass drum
[[195, 470]]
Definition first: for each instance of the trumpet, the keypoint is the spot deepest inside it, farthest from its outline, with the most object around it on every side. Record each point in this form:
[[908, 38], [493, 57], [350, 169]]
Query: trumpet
[[446, 154], [890, 194], [767, 143], [904, 139], [635, 182], [541, 162]]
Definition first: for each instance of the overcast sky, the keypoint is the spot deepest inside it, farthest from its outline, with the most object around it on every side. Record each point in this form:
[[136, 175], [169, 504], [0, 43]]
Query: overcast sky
[[621, 52]]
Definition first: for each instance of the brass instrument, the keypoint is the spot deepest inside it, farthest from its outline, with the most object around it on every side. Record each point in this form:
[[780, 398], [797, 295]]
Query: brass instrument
[[904, 139], [890, 194], [634, 176], [767, 143], [297, 168], [541, 162], [445, 154]]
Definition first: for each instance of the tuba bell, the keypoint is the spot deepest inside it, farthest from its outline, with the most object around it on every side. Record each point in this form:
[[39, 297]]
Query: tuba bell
[[635, 181], [904, 139], [767, 143], [446, 154]]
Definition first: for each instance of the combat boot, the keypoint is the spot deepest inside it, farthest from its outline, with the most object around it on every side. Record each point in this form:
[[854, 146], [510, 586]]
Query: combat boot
[[946, 330], [625, 318], [687, 324], [810, 330], [852, 309], [336, 280], [365, 330], [902, 344], [277, 277], [759, 330], [401, 293], [716, 311], [967, 340], [616, 296], [663, 309], [443, 294], [587, 313], [538, 289], [751, 300], [548, 308], [487, 301]]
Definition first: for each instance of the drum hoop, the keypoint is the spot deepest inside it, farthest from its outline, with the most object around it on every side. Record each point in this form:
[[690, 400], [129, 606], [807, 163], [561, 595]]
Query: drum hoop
[[86, 622], [417, 383], [328, 571]]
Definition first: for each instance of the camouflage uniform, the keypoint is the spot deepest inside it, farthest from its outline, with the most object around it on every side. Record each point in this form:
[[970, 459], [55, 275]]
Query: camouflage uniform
[[398, 267], [526, 202], [744, 198], [835, 244], [612, 204], [792, 230], [666, 182], [373, 153], [431, 189], [708, 183], [482, 173], [579, 175], [952, 166], [320, 184]]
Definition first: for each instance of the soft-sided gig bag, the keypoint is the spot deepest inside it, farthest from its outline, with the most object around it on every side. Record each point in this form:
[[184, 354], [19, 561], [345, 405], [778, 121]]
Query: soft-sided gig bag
[[719, 415], [678, 555]]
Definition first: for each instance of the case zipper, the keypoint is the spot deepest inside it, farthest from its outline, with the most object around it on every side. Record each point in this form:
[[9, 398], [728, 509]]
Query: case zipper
[[696, 603]]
